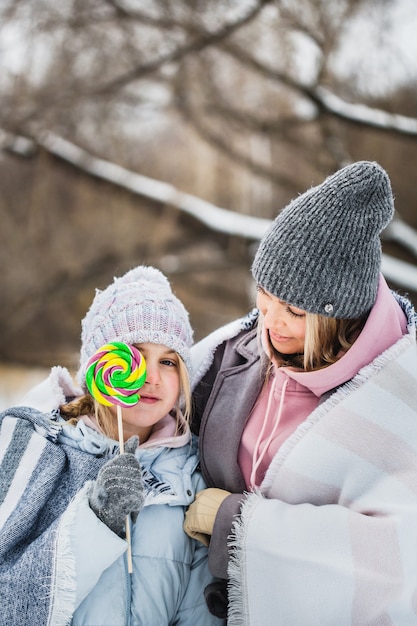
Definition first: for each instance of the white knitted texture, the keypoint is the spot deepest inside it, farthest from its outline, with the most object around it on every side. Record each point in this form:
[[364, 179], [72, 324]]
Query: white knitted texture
[[138, 307]]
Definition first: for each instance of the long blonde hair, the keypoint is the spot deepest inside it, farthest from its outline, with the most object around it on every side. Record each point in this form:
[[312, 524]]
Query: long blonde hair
[[87, 405], [325, 338]]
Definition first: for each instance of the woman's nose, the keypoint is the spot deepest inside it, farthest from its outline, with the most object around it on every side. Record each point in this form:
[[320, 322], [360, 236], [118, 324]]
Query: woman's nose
[[273, 316]]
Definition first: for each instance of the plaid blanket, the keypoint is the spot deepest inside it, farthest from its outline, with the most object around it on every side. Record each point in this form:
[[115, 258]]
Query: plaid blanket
[[330, 538]]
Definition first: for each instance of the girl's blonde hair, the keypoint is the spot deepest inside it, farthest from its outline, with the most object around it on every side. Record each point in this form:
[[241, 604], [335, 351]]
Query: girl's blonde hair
[[87, 405], [325, 338]]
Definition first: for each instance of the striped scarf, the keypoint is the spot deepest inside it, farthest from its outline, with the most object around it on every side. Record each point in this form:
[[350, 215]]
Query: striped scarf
[[38, 479]]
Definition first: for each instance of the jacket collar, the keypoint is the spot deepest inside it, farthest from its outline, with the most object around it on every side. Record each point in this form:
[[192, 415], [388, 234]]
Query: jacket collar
[[202, 352]]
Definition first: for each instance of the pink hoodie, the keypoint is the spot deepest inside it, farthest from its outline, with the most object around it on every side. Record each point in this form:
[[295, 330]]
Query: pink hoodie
[[292, 394]]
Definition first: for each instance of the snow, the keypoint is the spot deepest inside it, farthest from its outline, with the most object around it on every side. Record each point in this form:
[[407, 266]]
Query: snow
[[367, 115], [218, 219], [16, 380], [401, 273], [214, 217]]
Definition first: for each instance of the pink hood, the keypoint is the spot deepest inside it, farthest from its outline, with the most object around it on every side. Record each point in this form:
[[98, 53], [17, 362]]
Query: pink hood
[[164, 433], [292, 394]]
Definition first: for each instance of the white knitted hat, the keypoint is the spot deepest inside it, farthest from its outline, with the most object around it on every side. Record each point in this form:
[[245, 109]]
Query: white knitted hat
[[138, 307]]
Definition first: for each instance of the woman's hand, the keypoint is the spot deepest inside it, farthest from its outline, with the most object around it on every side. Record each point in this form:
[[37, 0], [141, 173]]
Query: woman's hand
[[201, 514]]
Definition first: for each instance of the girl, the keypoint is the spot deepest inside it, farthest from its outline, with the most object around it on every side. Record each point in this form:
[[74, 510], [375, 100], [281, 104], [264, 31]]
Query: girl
[[66, 490], [309, 445]]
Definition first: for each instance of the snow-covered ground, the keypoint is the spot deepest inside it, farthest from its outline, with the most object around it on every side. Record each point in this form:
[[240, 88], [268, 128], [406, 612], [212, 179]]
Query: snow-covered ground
[[15, 381]]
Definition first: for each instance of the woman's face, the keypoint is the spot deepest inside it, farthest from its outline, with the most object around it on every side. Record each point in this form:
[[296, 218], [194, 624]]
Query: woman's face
[[158, 395], [285, 324]]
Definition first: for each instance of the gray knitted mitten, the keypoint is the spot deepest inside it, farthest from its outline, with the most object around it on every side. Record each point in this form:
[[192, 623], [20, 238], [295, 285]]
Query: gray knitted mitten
[[119, 490]]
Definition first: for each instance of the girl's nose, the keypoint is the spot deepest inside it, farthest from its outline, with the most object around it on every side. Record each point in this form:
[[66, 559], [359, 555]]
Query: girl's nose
[[152, 375]]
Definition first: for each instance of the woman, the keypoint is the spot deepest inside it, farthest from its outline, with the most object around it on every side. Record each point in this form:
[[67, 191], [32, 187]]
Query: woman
[[66, 491], [309, 444]]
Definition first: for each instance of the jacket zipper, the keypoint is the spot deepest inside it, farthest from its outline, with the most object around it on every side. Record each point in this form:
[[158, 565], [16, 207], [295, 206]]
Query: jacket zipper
[[128, 590]]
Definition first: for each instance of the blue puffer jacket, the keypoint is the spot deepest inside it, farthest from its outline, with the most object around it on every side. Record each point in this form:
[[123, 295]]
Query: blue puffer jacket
[[170, 570]]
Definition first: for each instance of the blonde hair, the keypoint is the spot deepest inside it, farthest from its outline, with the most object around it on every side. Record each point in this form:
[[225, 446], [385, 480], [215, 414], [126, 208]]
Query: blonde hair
[[325, 338], [87, 405]]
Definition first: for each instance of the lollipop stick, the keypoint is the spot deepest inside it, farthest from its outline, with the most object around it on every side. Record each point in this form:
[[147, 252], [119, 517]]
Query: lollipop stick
[[112, 364], [122, 448], [120, 429]]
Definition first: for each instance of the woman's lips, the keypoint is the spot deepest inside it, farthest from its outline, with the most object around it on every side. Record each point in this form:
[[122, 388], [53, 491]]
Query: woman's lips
[[278, 338]]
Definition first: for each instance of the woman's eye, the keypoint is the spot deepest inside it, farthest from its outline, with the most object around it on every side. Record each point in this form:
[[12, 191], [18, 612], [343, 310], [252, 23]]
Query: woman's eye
[[260, 290], [292, 313]]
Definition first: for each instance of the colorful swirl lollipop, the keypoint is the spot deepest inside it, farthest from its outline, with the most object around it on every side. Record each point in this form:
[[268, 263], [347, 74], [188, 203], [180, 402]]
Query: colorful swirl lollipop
[[115, 373]]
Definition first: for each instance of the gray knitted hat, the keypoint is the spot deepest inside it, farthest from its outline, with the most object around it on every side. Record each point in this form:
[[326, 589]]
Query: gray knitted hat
[[138, 307], [322, 253]]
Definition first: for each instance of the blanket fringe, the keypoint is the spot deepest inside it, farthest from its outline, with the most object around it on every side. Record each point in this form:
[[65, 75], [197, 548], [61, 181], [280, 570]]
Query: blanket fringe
[[238, 612], [63, 588]]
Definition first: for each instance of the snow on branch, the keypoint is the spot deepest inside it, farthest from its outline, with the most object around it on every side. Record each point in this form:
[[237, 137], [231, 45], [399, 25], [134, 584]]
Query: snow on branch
[[402, 233], [401, 273], [363, 114], [218, 219]]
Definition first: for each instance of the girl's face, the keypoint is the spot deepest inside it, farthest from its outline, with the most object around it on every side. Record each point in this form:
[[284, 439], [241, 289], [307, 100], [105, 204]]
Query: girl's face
[[284, 323], [158, 395]]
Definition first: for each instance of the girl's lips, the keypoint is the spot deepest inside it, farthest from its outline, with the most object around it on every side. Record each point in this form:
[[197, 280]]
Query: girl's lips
[[148, 399]]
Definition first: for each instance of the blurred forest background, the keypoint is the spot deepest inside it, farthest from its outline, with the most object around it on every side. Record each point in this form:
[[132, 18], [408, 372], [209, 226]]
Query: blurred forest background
[[241, 103]]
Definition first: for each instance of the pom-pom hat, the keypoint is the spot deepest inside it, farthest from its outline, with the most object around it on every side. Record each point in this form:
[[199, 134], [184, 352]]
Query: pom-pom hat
[[138, 307], [322, 253]]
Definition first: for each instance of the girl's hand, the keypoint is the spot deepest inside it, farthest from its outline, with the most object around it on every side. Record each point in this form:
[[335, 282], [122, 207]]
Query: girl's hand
[[119, 490]]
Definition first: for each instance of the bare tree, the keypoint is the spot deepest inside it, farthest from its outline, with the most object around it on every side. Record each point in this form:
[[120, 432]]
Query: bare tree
[[244, 104], [231, 70]]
